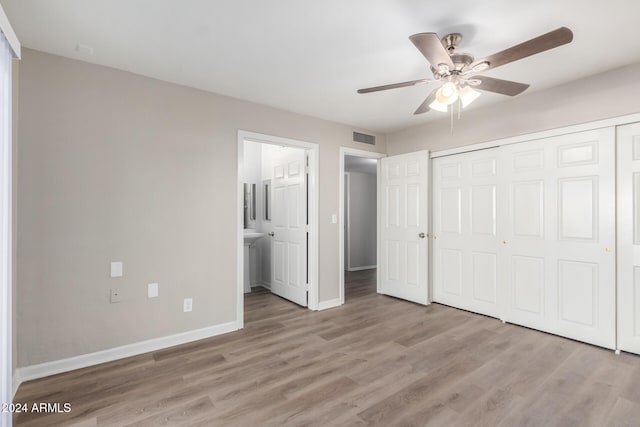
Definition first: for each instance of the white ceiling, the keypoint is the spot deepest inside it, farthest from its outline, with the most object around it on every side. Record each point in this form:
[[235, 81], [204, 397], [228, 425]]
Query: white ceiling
[[310, 57]]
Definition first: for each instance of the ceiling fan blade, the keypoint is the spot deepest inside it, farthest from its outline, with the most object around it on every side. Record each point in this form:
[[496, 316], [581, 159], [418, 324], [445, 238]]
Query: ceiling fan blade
[[431, 47], [394, 86], [424, 107], [504, 87], [547, 41]]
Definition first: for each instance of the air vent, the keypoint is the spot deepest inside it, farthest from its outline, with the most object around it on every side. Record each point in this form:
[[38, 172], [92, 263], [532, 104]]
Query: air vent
[[364, 138]]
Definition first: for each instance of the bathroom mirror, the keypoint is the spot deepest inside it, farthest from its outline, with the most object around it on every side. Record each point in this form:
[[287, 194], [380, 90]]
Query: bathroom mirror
[[266, 186], [249, 204]]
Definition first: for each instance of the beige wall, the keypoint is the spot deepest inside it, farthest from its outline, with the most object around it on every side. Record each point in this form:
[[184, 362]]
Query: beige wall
[[611, 94], [14, 218], [115, 166]]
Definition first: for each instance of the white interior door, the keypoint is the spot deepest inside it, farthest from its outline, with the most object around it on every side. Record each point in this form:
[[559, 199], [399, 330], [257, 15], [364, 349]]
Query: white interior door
[[404, 226], [465, 224], [558, 264], [628, 143], [289, 219]]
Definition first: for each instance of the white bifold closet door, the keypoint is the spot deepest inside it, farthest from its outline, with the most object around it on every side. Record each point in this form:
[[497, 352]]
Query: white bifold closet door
[[465, 223], [628, 142], [559, 235], [526, 233]]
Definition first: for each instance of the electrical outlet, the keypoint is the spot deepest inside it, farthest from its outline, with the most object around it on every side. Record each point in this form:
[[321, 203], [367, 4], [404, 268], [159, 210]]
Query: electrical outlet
[[115, 296], [152, 290], [187, 305]]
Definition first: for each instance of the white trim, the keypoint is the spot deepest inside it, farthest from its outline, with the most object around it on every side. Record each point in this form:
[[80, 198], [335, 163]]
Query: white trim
[[6, 228], [8, 32], [347, 223], [332, 303], [33, 372], [366, 267], [614, 121], [345, 151], [312, 150]]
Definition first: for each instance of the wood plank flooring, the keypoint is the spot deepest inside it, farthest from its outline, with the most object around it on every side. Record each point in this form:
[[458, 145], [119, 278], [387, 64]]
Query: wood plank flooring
[[374, 361]]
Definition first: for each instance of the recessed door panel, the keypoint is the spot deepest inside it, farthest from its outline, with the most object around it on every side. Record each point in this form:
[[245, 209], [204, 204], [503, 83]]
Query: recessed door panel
[[528, 160], [393, 260], [483, 210], [528, 208], [578, 203], [528, 280], [413, 205], [483, 167], [451, 210], [578, 286], [451, 271], [584, 153], [413, 261], [450, 171], [393, 206], [484, 266]]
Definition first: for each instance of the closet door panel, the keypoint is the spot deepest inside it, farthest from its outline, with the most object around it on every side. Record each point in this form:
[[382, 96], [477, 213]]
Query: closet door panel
[[628, 202], [465, 227], [559, 235]]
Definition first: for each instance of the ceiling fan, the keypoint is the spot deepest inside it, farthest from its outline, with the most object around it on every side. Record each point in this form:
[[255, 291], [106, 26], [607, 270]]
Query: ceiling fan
[[454, 69]]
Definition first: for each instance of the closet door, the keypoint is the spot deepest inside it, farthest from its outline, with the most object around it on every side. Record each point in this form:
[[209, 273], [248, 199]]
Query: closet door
[[558, 264], [466, 226], [628, 143]]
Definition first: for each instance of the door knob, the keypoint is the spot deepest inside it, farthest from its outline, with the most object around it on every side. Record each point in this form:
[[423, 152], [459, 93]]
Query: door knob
[[421, 235], [271, 234]]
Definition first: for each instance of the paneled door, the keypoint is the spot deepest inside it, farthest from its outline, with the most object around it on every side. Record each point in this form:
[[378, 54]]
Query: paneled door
[[289, 220], [404, 226], [558, 239], [465, 223], [628, 143]]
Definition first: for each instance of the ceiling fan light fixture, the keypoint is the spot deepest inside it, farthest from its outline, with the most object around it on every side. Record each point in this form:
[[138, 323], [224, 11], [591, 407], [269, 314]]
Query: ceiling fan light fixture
[[468, 95], [435, 105], [447, 94]]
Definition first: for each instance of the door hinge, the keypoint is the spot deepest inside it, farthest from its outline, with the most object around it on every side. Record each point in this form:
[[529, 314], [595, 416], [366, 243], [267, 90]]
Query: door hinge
[[307, 228], [306, 287]]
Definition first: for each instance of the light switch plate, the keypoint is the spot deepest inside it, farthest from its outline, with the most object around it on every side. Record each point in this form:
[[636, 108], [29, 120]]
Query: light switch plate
[[116, 269], [152, 290], [188, 305], [334, 219]]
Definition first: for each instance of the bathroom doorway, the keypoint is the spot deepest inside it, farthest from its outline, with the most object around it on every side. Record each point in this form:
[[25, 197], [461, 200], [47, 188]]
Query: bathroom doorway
[[359, 224], [277, 219]]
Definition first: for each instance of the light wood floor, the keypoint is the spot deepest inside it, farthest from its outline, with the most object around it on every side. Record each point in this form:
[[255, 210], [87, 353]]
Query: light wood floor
[[374, 361]]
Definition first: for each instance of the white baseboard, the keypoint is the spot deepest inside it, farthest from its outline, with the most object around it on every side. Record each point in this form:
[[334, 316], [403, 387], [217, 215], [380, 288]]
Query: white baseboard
[[324, 305], [366, 267], [72, 363], [261, 285], [16, 383]]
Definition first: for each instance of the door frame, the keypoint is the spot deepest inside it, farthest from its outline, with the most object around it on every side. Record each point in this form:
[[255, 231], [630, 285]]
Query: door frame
[[312, 150], [345, 151]]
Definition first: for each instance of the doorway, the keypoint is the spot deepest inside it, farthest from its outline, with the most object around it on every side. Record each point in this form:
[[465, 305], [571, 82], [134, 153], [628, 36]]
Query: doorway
[[359, 224], [266, 208]]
